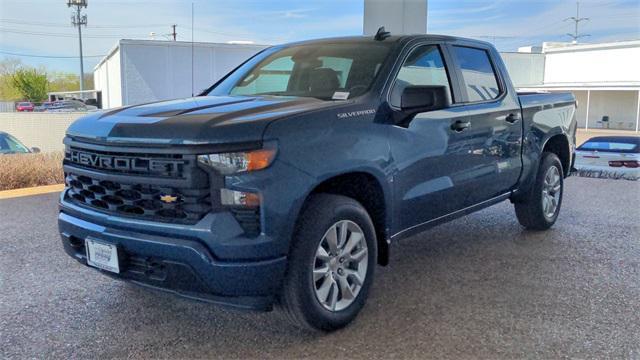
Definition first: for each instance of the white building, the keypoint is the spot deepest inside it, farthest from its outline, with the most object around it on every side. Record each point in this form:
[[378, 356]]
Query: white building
[[138, 71], [605, 78]]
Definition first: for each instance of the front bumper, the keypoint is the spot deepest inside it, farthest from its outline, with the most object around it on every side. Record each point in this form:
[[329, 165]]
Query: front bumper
[[181, 258]]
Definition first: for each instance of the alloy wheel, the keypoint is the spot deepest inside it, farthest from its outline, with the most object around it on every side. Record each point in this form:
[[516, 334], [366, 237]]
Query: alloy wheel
[[551, 191], [340, 265]]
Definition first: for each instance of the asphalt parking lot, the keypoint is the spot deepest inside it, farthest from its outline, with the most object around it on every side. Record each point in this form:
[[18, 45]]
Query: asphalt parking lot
[[479, 287]]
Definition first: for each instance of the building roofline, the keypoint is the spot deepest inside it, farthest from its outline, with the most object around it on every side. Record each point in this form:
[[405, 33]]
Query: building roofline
[[146, 42], [113, 50], [597, 46]]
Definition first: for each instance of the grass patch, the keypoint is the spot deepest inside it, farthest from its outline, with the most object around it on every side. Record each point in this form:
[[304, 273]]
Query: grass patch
[[27, 170]]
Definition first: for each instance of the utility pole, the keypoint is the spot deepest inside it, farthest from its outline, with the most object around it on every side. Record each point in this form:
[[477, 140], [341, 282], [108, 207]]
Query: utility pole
[[78, 20], [577, 19], [174, 34]]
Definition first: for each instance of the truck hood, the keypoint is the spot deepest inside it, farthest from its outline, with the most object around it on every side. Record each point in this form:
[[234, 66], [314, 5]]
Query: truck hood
[[198, 120]]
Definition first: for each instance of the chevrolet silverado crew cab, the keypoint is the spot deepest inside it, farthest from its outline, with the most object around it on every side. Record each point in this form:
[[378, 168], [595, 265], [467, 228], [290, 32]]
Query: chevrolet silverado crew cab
[[287, 181]]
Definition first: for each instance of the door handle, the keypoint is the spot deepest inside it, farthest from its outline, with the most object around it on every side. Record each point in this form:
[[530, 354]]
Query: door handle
[[512, 118], [460, 125]]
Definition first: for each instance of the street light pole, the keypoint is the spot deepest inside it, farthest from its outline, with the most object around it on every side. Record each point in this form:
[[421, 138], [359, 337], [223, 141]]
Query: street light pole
[[77, 19]]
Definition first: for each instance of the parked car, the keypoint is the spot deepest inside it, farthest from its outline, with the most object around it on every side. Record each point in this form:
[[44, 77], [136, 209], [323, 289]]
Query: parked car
[[70, 106], [24, 106], [288, 180], [44, 106], [610, 156], [11, 145]]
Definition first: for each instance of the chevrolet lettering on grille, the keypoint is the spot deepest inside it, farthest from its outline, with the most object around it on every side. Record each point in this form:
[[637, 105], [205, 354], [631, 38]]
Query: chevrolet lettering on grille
[[124, 163]]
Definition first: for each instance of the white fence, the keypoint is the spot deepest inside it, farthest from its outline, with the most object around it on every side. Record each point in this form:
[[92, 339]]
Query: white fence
[[7, 106], [42, 130]]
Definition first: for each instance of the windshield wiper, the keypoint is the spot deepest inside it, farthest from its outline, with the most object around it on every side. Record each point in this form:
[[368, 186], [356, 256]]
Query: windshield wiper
[[324, 98]]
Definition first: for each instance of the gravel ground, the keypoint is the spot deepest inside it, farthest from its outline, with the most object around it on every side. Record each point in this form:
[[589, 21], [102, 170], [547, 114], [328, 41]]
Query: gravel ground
[[478, 287]]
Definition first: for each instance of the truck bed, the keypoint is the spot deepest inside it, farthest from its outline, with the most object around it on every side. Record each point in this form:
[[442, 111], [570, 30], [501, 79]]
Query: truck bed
[[535, 99]]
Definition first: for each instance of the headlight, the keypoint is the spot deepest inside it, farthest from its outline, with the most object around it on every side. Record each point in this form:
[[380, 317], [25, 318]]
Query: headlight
[[236, 162]]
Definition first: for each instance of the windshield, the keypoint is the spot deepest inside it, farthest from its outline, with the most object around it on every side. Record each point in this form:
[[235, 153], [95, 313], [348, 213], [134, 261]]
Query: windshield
[[337, 71], [622, 145], [10, 145]]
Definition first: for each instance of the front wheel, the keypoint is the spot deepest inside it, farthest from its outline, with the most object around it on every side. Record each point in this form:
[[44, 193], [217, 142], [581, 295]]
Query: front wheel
[[331, 264], [540, 208]]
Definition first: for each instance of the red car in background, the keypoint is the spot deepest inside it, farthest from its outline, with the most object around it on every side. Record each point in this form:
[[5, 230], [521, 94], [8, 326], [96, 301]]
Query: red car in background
[[25, 106]]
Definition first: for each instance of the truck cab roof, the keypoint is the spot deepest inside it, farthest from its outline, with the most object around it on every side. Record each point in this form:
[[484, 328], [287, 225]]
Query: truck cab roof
[[389, 39]]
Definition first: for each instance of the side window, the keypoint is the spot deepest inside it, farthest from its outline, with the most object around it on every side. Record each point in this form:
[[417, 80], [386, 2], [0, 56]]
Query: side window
[[477, 73], [424, 66]]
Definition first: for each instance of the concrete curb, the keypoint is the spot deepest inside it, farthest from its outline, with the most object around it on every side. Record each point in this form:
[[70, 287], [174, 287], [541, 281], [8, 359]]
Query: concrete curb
[[9, 194]]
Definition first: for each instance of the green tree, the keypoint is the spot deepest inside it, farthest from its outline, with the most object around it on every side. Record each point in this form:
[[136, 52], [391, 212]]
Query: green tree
[[17, 81], [63, 81], [31, 83], [8, 67], [67, 81]]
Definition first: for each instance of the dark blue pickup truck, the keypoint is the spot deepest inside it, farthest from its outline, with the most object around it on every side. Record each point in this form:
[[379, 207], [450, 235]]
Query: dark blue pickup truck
[[289, 180]]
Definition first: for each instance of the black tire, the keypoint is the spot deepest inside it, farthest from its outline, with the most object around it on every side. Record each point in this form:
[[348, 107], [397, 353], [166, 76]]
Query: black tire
[[530, 210], [298, 298]]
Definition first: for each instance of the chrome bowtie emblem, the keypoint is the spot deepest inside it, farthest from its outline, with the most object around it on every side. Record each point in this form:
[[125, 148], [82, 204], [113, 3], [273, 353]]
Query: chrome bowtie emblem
[[168, 199]]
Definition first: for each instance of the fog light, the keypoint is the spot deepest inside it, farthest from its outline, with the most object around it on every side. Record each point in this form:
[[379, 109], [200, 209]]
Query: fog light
[[239, 198]]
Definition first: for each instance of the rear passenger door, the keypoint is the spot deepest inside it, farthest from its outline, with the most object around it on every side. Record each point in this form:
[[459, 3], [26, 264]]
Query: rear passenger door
[[492, 114]]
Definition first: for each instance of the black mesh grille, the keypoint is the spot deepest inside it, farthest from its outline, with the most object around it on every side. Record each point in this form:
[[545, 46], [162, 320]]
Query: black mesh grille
[[249, 220], [158, 203]]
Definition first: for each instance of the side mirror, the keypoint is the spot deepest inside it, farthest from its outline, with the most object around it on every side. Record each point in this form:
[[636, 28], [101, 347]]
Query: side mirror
[[35, 150], [417, 99]]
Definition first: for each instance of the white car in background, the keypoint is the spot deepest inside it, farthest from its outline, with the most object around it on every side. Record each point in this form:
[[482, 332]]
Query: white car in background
[[609, 156]]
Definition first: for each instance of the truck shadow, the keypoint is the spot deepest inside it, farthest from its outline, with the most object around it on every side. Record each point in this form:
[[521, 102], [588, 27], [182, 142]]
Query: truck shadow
[[442, 265]]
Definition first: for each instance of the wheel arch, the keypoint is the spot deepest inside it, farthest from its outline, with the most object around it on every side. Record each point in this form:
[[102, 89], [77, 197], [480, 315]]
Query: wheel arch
[[368, 190], [559, 144]]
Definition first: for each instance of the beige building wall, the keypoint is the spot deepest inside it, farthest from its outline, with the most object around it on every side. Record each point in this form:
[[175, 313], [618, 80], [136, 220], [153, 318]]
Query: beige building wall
[[42, 130], [596, 63]]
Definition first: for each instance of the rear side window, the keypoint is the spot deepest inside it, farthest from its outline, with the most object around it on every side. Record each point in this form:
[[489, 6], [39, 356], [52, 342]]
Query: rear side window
[[477, 73], [424, 66]]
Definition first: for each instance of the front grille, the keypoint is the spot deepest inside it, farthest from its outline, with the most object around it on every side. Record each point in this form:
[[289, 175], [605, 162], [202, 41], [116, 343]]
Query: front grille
[[153, 202]]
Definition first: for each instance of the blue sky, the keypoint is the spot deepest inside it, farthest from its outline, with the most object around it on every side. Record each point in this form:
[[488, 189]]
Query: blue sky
[[41, 27]]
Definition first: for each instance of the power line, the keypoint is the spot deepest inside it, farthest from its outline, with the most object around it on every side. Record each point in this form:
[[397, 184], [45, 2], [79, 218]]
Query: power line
[[48, 56], [62, 25], [48, 34]]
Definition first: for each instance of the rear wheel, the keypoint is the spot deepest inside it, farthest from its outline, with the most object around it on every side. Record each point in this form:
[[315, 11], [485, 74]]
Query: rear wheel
[[331, 264], [540, 208]]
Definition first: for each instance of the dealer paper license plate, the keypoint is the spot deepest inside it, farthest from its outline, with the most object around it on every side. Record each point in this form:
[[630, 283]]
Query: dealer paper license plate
[[101, 255]]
